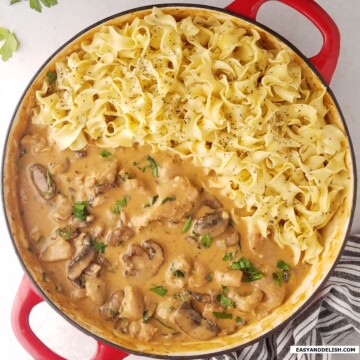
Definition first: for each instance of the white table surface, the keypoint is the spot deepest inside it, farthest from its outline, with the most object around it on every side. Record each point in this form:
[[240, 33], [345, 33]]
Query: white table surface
[[41, 34]]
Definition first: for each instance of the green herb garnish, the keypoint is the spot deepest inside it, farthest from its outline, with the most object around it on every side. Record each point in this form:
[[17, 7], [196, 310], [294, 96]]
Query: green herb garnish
[[239, 320], [98, 246], [228, 256], [79, 209], [146, 316], [52, 76], [152, 201], [167, 199], [187, 225], [106, 155], [206, 240], [10, 43], [209, 277], [178, 273], [64, 232], [224, 300], [151, 165], [222, 315], [36, 5], [160, 290], [122, 203], [250, 272], [277, 277], [284, 274]]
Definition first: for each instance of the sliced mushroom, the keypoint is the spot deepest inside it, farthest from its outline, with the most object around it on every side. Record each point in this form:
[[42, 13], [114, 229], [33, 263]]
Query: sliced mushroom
[[95, 289], [119, 235], [192, 323], [80, 153], [212, 203], [145, 261], [204, 298], [58, 249], [43, 181], [81, 260], [214, 223]]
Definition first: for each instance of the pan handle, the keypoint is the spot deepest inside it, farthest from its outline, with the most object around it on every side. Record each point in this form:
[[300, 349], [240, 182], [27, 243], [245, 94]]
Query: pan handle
[[25, 300], [325, 61]]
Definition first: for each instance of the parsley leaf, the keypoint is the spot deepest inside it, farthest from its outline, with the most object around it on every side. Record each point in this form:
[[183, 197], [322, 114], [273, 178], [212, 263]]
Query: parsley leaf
[[222, 315], [152, 165], [178, 273], [240, 320], [106, 155], [187, 225], [206, 240], [98, 246], [282, 265], [277, 277], [160, 290], [167, 199], [146, 316], [52, 76], [36, 5], [79, 210], [228, 256], [10, 43], [64, 232], [122, 203], [250, 272]]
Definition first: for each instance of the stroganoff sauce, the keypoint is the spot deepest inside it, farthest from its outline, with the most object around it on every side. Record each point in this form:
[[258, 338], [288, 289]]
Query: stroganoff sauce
[[141, 243]]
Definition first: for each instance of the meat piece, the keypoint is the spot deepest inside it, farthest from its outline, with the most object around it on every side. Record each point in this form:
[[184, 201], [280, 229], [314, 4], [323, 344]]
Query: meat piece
[[58, 249], [95, 289], [228, 278], [274, 294], [63, 209], [176, 199], [133, 303], [142, 331], [178, 272], [199, 274], [246, 303]]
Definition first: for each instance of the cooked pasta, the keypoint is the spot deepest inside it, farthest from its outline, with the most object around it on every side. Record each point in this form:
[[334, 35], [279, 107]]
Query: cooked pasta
[[208, 90]]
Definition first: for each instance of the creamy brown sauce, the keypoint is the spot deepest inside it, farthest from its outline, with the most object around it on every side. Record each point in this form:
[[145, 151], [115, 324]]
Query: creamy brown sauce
[[195, 269]]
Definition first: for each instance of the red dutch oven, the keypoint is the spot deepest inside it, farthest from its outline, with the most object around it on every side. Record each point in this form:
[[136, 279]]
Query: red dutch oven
[[323, 65]]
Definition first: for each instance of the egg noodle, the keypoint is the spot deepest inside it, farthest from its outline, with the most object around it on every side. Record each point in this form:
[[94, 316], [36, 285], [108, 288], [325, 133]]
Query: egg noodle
[[208, 89]]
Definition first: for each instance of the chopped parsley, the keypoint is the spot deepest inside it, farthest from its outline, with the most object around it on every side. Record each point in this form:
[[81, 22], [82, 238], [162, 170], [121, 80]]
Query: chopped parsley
[[79, 209], [122, 203], [10, 44], [64, 232], [167, 199], [106, 155], [152, 201], [187, 225], [284, 274], [36, 5], [239, 320], [224, 300], [209, 277], [160, 290], [222, 315], [228, 256], [52, 76], [250, 272], [98, 246], [178, 273], [206, 240], [148, 163], [146, 316]]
